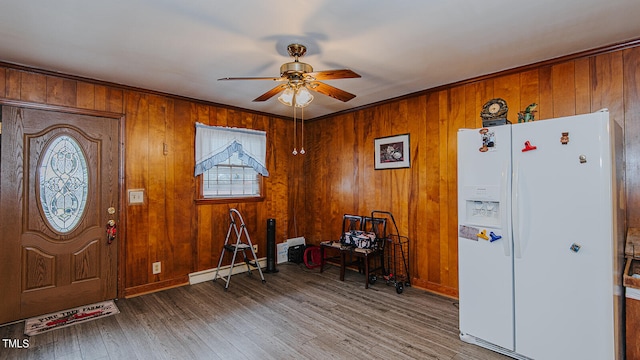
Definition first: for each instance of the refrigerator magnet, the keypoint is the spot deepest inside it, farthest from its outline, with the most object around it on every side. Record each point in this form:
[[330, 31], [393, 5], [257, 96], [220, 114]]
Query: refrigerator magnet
[[494, 237], [483, 234], [528, 146], [582, 159], [564, 139], [488, 140], [468, 232]]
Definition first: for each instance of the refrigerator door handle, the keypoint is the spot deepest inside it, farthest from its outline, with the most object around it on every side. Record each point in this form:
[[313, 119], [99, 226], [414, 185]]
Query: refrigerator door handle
[[503, 214], [515, 211]]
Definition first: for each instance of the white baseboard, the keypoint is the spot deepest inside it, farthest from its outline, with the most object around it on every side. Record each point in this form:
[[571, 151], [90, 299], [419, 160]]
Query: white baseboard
[[207, 275]]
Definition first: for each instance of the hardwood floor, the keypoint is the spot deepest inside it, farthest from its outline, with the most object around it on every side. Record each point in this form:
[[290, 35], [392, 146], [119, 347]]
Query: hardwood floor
[[298, 314]]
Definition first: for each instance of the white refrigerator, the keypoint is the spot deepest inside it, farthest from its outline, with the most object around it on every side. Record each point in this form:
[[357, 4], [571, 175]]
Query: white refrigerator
[[541, 226]]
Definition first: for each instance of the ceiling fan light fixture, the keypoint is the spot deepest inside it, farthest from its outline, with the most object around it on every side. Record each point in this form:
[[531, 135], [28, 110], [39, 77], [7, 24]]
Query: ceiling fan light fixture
[[298, 79], [286, 98], [303, 97]]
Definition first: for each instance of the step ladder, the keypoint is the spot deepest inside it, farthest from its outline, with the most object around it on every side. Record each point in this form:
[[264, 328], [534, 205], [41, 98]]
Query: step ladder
[[238, 246]]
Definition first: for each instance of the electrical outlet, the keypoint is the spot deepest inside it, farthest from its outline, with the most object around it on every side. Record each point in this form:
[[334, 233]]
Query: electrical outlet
[[255, 248], [157, 267]]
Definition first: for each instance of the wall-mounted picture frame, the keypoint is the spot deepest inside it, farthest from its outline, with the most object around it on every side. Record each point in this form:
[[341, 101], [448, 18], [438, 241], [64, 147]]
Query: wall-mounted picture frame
[[392, 152]]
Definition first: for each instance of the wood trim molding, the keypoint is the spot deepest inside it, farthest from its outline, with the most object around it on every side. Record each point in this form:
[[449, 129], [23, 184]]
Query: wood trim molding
[[58, 108], [122, 217], [132, 88], [587, 53], [156, 286], [435, 288]]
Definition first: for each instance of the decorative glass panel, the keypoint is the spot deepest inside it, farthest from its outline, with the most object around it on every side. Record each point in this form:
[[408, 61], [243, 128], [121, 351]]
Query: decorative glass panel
[[64, 183]]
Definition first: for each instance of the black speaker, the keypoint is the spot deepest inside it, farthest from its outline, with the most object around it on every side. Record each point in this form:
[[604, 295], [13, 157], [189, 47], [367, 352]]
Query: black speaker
[[271, 246]]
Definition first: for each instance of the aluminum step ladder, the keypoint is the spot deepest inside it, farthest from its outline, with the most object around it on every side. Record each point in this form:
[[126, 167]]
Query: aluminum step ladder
[[238, 246]]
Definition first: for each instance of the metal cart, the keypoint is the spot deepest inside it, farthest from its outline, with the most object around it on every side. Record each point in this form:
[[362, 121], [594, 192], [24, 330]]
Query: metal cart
[[396, 257]]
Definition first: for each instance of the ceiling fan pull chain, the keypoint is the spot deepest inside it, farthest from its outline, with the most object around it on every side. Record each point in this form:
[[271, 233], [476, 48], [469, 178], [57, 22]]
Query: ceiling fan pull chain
[[295, 151], [302, 131]]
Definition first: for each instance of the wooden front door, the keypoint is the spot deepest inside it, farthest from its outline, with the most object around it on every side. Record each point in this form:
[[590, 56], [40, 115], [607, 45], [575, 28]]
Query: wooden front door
[[58, 190]]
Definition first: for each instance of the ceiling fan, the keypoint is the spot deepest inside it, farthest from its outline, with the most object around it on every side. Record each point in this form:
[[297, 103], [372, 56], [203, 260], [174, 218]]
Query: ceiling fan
[[297, 75]]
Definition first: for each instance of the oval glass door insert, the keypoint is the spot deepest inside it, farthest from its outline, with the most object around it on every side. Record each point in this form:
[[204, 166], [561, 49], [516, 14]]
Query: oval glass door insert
[[64, 183]]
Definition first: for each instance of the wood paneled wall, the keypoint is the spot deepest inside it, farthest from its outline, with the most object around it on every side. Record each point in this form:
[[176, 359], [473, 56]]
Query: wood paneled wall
[[307, 195], [170, 226], [339, 170]]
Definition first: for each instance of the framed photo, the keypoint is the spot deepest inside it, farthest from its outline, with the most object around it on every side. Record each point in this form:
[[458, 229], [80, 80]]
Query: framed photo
[[392, 152]]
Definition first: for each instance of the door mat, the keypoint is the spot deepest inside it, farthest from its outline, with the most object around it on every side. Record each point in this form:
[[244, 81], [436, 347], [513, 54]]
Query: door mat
[[43, 323]]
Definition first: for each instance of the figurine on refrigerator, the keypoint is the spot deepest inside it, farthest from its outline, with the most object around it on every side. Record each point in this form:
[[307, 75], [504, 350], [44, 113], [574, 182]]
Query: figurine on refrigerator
[[528, 114]]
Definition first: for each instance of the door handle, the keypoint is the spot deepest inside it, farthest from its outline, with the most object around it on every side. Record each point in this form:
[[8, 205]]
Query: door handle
[[515, 211], [111, 231]]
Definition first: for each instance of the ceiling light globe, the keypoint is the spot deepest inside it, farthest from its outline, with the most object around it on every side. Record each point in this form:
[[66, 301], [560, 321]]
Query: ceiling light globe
[[286, 98], [303, 97]]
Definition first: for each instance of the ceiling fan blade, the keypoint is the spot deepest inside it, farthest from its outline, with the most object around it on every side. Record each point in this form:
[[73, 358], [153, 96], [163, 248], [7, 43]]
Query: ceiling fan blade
[[269, 94], [329, 90], [254, 78], [333, 74]]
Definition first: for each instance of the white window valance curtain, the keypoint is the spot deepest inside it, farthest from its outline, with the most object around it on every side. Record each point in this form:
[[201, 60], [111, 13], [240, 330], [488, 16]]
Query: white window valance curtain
[[215, 144]]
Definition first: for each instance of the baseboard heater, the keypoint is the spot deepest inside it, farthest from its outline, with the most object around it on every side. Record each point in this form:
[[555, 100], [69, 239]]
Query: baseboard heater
[[207, 275]]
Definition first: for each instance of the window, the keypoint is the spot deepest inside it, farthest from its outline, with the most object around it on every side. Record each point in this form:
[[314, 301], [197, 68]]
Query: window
[[230, 163], [231, 178], [64, 183]]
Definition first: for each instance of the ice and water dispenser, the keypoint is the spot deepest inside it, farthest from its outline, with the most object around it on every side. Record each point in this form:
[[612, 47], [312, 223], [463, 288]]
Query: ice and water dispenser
[[485, 213], [482, 205], [481, 213]]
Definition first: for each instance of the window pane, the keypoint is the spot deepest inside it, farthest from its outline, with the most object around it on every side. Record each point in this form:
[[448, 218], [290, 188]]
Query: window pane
[[231, 179], [63, 182]]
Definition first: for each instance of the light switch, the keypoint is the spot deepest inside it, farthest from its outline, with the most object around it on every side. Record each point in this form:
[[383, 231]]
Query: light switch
[[136, 196]]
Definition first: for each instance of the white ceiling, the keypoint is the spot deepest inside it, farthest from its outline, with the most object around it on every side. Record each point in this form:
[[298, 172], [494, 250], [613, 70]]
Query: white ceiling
[[399, 47]]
